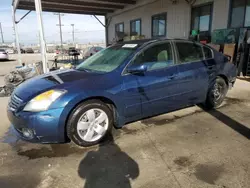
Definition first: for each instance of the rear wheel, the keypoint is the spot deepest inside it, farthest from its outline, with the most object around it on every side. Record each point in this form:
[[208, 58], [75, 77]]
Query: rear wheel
[[217, 93], [89, 123]]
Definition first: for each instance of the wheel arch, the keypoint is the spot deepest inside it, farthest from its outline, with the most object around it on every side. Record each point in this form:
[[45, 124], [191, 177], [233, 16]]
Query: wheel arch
[[225, 78], [110, 103]]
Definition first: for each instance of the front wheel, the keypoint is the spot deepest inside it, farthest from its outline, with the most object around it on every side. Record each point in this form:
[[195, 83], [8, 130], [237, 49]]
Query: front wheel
[[216, 93], [89, 123]]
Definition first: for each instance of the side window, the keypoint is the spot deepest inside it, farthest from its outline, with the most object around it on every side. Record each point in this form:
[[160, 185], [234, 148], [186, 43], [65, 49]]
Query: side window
[[207, 52], [189, 52], [156, 57]]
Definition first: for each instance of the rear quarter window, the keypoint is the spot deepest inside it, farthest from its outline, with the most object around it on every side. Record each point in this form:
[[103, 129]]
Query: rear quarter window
[[189, 52], [208, 52]]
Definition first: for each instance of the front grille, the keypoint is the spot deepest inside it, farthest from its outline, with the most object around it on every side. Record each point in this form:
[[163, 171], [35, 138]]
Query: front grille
[[15, 102]]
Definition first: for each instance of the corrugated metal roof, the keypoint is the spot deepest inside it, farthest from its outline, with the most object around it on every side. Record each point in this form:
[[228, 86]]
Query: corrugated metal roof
[[93, 7]]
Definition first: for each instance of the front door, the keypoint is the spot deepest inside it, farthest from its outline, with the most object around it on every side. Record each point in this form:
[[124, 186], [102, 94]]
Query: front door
[[157, 86]]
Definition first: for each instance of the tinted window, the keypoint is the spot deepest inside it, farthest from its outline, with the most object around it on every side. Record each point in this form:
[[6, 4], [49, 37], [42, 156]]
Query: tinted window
[[247, 17], [135, 27], [156, 57], [189, 52], [159, 24], [240, 13], [208, 53], [119, 27], [201, 17]]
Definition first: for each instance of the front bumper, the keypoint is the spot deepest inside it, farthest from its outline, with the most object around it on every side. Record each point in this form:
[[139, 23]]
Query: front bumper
[[45, 127]]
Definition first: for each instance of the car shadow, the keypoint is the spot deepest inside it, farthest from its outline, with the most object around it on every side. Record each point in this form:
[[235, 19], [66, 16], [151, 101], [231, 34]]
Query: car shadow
[[233, 124], [108, 167], [9, 60], [244, 78]]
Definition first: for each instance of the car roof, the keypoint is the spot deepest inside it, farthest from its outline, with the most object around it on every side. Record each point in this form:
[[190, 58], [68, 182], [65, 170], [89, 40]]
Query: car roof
[[149, 41], [145, 42]]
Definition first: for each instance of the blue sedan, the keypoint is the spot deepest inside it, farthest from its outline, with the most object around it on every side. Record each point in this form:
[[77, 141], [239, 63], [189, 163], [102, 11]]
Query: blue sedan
[[123, 83]]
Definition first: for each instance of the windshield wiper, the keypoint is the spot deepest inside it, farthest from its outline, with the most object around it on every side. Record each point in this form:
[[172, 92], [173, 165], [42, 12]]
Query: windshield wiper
[[90, 70]]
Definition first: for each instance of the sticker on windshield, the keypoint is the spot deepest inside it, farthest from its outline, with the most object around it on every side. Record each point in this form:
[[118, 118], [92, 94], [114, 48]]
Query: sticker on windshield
[[130, 45]]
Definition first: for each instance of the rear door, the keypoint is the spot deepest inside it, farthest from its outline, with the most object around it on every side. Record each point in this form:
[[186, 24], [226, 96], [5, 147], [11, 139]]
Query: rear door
[[210, 63], [194, 77]]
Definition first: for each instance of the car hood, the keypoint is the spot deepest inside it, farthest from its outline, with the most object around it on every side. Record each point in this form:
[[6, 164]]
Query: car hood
[[56, 79]]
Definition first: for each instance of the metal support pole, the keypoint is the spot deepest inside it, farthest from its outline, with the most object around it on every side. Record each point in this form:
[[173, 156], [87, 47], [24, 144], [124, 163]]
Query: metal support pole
[[60, 23], [16, 36], [99, 21], [1, 32], [24, 16], [60, 26], [38, 6], [73, 33]]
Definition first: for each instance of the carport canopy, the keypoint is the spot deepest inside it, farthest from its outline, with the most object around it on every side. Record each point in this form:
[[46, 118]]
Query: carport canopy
[[90, 7]]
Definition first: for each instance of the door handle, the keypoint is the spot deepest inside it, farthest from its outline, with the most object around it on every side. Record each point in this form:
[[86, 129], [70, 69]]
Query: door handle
[[210, 67], [172, 76]]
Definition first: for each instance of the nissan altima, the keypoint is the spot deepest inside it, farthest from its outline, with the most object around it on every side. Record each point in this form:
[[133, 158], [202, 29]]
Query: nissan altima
[[123, 83]]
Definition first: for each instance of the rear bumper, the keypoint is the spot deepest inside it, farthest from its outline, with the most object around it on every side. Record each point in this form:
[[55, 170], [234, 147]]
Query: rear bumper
[[44, 126]]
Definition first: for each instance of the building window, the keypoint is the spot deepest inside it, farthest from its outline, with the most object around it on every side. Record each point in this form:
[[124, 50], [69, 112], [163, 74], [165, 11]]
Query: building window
[[119, 27], [135, 27], [240, 13], [159, 25], [201, 18]]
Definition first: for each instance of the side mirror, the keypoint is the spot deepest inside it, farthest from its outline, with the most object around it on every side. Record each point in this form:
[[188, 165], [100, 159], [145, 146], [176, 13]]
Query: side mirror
[[228, 57], [137, 69]]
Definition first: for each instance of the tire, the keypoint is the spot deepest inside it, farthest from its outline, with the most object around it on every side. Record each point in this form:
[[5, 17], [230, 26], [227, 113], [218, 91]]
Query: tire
[[216, 94], [83, 127]]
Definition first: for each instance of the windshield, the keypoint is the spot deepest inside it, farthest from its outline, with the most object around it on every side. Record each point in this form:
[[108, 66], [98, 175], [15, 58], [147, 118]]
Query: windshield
[[107, 60]]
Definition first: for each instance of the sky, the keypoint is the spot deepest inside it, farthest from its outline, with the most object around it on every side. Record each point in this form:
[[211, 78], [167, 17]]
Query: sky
[[87, 28]]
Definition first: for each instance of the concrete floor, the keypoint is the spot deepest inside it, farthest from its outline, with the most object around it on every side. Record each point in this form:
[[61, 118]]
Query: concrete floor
[[188, 148]]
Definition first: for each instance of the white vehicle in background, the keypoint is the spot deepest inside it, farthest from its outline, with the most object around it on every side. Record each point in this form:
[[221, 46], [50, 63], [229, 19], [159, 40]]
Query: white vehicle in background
[[36, 51], [10, 51], [3, 55], [91, 51]]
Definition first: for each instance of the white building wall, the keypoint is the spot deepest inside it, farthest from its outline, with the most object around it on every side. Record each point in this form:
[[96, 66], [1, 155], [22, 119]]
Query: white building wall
[[178, 16]]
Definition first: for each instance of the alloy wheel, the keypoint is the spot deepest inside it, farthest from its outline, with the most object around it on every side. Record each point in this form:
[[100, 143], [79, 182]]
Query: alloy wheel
[[92, 125]]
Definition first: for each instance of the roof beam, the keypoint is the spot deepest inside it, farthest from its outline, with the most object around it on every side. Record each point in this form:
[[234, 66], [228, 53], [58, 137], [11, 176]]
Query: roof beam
[[23, 16], [131, 2], [85, 4], [64, 7], [63, 10]]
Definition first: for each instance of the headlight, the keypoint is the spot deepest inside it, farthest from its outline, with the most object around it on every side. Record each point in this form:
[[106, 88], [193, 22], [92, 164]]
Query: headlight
[[43, 101]]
